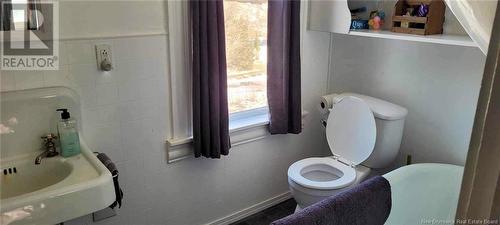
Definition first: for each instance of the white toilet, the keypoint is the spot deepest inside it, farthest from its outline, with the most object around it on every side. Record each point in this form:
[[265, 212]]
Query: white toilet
[[363, 132]]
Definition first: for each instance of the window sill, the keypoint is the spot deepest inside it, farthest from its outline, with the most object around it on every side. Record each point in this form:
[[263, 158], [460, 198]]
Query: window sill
[[244, 127], [248, 126], [248, 119]]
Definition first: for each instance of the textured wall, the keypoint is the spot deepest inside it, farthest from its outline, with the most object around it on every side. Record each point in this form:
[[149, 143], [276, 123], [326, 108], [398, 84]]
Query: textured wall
[[438, 84], [125, 114]]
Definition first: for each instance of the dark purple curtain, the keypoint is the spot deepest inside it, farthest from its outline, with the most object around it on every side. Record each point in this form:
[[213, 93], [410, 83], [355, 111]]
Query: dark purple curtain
[[283, 66], [5, 14], [210, 106]]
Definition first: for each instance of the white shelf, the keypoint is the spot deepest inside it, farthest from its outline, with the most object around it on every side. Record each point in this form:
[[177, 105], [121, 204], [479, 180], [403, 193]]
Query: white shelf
[[460, 40], [334, 16]]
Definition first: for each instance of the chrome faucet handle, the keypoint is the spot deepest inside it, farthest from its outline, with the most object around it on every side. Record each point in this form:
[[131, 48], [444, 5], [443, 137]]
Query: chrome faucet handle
[[49, 140], [49, 137], [50, 146]]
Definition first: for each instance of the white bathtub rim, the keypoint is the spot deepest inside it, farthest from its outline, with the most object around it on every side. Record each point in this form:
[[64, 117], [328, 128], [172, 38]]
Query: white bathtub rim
[[400, 172]]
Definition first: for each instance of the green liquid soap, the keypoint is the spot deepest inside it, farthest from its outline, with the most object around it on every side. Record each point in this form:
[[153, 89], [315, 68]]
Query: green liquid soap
[[68, 135]]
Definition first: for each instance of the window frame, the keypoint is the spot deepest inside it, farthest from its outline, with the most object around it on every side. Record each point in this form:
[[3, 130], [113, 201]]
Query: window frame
[[179, 140], [245, 126]]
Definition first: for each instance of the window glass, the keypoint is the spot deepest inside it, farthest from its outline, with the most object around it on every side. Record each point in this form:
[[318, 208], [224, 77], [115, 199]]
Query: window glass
[[18, 16], [246, 52]]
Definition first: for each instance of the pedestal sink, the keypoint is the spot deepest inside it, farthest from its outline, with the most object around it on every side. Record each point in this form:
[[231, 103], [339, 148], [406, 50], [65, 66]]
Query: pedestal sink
[[57, 190]]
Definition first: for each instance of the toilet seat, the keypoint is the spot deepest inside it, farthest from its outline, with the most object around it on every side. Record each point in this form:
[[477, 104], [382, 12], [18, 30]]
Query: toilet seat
[[351, 133], [346, 178]]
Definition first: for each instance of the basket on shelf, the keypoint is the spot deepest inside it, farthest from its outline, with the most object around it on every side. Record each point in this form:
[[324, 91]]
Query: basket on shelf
[[430, 21]]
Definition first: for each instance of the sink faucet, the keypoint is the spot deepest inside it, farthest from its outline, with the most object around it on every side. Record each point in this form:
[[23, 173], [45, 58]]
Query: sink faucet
[[50, 148]]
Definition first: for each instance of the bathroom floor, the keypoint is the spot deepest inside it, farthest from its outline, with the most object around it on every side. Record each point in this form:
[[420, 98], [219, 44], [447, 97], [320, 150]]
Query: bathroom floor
[[269, 215]]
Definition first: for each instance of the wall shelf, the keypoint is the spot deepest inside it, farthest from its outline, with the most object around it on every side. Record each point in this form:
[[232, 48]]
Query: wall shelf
[[447, 39], [335, 17]]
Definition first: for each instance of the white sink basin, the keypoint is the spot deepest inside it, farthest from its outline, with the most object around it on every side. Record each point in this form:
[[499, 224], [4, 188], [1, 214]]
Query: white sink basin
[[57, 190], [31, 177]]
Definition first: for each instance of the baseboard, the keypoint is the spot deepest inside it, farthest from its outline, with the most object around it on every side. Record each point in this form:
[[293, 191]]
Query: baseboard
[[252, 209]]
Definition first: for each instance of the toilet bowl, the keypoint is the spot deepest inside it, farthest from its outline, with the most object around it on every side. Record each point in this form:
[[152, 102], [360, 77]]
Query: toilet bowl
[[352, 132], [314, 179]]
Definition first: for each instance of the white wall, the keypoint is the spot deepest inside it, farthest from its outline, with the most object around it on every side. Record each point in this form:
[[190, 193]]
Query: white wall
[[438, 84], [80, 19], [125, 113]]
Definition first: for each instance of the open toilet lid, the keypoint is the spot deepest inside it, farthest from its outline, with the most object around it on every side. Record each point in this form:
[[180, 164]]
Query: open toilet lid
[[351, 130]]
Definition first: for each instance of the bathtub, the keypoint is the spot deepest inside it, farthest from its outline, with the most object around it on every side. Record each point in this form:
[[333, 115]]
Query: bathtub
[[424, 193]]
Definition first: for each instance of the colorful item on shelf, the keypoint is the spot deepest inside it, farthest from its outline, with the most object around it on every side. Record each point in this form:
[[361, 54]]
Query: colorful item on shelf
[[381, 14], [378, 13], [375, 23], [407, 17], [357, 24], [422, 10], [376, 20], [409, 12]]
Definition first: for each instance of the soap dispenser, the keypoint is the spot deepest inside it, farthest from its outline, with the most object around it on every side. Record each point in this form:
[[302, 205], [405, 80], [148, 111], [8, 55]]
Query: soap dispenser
[[68, 134]]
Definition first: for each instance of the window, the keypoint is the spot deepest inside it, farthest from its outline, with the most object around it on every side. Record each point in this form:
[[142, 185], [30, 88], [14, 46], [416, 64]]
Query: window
[[246, 52], [18, 17], [25, 16]]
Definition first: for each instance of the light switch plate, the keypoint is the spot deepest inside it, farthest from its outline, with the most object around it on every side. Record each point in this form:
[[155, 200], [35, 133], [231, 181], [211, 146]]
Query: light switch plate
[[103, 52]]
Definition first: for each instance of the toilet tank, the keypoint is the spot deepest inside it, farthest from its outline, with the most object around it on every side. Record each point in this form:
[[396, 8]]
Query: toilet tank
[[389, 119]]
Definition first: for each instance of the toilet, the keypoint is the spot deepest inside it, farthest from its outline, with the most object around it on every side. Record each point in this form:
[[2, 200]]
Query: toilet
[[363, 133]]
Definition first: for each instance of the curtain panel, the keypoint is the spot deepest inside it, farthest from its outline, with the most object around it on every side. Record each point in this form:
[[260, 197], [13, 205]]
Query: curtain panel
[[5, 14], [210, 103], [283, 67]]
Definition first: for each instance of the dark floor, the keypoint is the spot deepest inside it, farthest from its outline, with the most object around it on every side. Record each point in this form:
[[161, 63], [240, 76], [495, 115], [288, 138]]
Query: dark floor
[[269, 215]]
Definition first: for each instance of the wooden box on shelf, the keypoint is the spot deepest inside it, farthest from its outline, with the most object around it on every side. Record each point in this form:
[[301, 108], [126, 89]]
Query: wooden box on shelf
[[432, 23]]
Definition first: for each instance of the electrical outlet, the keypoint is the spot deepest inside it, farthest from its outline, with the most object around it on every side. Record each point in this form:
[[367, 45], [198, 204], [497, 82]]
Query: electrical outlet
[[104, 58]]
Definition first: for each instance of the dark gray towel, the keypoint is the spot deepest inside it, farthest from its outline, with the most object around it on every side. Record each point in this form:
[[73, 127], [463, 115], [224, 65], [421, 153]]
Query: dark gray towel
[[114, 171], [369, 203], [107, 163]]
